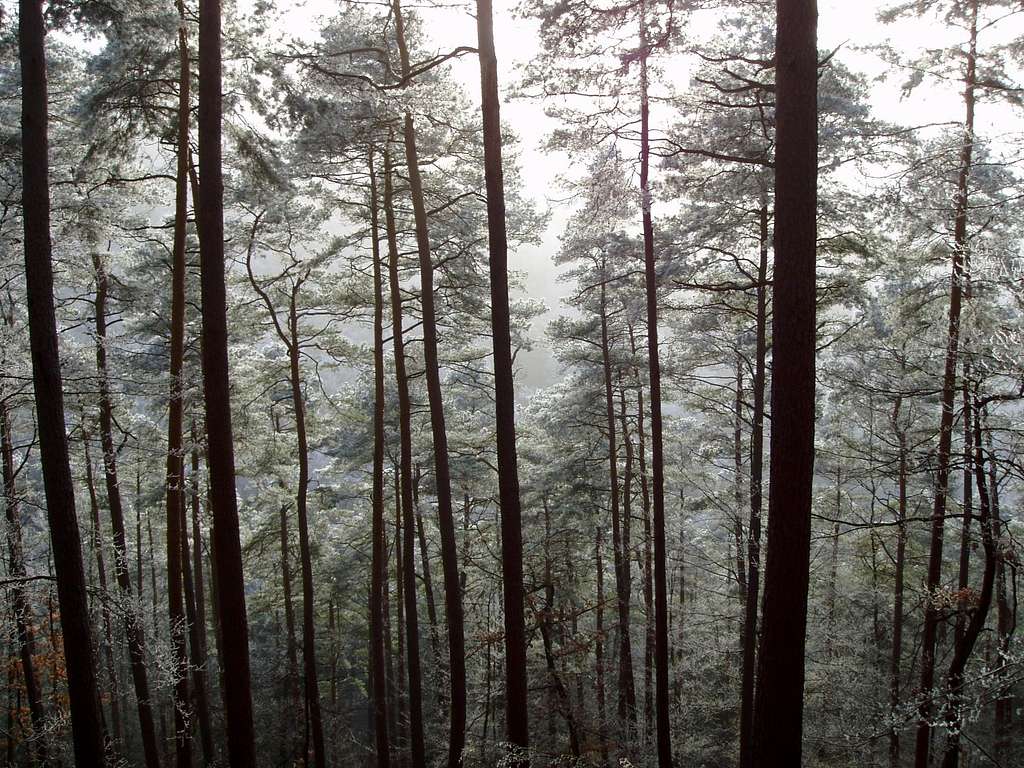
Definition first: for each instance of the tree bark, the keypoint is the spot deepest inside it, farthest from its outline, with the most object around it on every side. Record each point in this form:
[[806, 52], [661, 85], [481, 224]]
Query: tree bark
[[895, 659], [778, 709], [217, 395], [516, 705], [602, 716], [65, 540]]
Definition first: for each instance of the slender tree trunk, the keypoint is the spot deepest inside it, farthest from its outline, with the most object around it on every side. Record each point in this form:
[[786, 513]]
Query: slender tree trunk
[[442, 477], [964, 572], [602, 716], [737, 461], [197, 659], [1005, 624], [19, 599], [378, 578], [428, 587], [199, 642], [661, 660], [626, 694], [934, 578], [412, 648], [311, 678], [132, 619], [516, 706], [756, 495], [896, 657], [291, 644], [101, 569], [217, 395], [175, 490], [65, 541], [630, 722], [778, 708]]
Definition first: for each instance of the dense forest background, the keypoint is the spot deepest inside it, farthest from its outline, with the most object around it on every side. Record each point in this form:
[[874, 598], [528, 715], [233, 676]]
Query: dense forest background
[[417, 563]]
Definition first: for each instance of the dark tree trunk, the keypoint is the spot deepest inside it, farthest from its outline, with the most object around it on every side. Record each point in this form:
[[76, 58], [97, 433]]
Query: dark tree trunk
[[756, 496], [66, 544], [896, 657], [311, 679], [442, 476], [964, 570], [19, 599], [922, 747], [291, 644], [197, 658], [412, 648], [378, 577], [516, 705], [198, 639], [175, 479], [626, 690], [133, 621], [778, 709], [428, 586], [602, 716], [1005, 625], [661, 660], [217, 395]]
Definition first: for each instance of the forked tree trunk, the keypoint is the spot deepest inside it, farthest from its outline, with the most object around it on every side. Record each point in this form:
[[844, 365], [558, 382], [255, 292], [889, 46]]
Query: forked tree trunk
[[778, 710], [220, 453]]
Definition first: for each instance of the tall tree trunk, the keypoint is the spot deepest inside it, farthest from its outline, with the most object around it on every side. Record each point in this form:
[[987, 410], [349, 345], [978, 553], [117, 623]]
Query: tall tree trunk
[[934, 578], [516, 705], [630, 721], [661, 703], [175, 490], [133, 621], [311, 678], [217, 395], [442, 476], [19, 598], [737, 462], [378, 577], [412, 648], [626, 689], [895, 659], [66, 545], [756, 494], [778, 708]]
